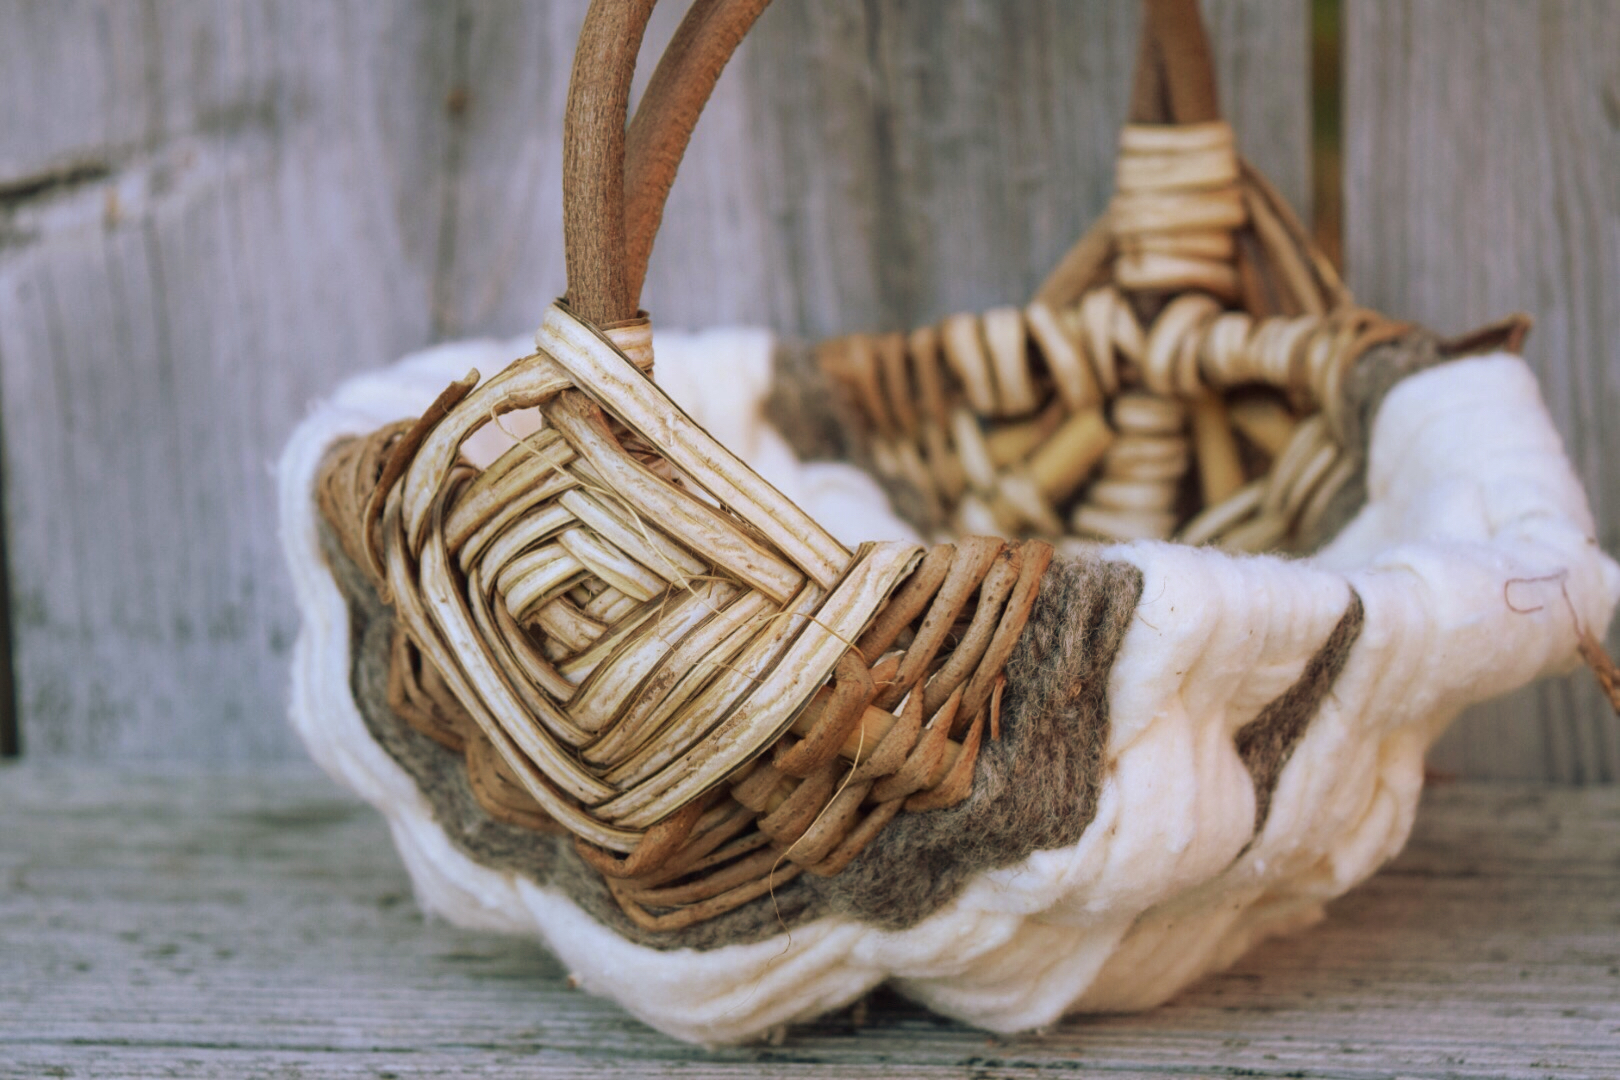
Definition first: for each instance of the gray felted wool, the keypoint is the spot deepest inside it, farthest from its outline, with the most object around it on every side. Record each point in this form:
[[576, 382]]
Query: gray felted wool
[[1034, 788], [806, 408], [1266, 742], [813, 415], [1378, 371]]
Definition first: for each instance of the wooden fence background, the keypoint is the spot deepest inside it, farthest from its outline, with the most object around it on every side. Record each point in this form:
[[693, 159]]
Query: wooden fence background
[[210, 214]]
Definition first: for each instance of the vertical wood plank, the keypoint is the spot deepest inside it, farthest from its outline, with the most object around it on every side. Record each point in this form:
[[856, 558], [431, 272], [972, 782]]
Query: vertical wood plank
[[913, 159], [1483, 177], [502, 259], [216, 212], [209, 214]]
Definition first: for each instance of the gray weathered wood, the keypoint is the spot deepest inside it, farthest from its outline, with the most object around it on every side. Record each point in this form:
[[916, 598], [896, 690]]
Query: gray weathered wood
[[213, 212], [875, 165], [860, 164], [1483, 177], [258, 924], [209, 214]]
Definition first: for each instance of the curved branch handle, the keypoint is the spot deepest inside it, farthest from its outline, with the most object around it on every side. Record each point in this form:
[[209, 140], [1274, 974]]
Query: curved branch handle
[[1175, 72], [593, 158], [662, 127], [615, 183]]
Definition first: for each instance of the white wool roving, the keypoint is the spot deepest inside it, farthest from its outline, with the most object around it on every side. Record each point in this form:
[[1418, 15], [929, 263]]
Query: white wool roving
[[1471, 503]]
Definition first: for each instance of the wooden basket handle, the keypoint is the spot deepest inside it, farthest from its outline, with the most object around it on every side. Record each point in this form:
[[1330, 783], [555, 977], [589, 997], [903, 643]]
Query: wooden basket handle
[[615, 183], [593, 158], [669, 109], [1175, 70]]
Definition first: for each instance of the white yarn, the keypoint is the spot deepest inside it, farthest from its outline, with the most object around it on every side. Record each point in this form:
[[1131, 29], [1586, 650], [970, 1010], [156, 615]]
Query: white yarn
[[1469, 492]]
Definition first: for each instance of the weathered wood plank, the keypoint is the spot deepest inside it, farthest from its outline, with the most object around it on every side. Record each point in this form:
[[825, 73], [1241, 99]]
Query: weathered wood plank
[[216, 211], [209, 214], [236, 924], [889, 163], [1482, 157]]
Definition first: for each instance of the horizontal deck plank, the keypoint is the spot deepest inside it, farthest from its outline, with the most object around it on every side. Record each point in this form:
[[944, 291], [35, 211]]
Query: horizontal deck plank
[[259, 924]]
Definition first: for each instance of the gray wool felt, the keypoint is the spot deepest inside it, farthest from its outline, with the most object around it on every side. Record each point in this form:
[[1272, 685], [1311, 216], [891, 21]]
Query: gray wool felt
[[1267, 742], [1035, 788], [819, 420], [1379, 370]]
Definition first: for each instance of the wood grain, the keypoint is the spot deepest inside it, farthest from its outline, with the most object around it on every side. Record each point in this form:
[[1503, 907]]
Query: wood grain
[[210, 214], [234, 924], [920, 159], [1483, 177], [239, 204], [861, 164]]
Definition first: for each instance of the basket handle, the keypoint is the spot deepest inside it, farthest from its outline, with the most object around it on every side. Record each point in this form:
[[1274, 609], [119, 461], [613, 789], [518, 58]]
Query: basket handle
[[662, 126], [615, 183], [593, 157], [1175, 70]]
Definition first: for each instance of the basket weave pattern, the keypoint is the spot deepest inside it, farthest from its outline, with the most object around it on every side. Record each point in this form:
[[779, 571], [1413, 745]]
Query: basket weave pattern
[[633, 637], [630, 639]]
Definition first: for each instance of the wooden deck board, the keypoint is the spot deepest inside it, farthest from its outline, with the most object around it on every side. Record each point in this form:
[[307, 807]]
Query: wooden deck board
[[259, 924]]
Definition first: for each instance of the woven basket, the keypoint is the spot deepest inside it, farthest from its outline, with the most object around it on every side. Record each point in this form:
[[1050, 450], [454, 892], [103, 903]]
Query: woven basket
[[612, 686]]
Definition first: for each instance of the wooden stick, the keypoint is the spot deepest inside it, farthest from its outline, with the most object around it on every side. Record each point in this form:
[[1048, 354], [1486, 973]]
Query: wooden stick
[[593, 158], [1175, 74], [1264, 421], [1220, 468], [662, 127], [1072, 452], [865, 736]]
